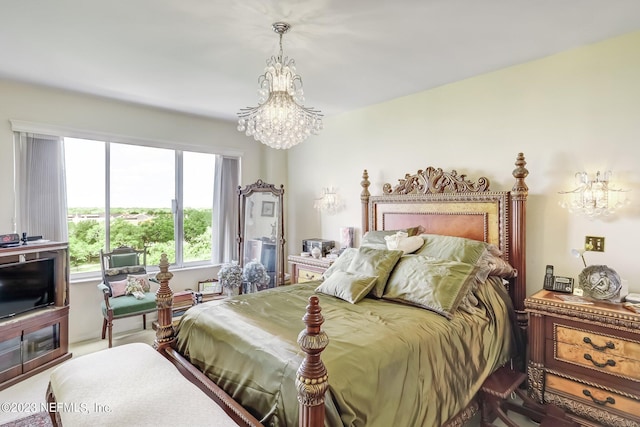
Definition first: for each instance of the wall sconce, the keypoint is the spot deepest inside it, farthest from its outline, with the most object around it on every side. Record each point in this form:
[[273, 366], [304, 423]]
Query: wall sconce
[[329, 201], [593, 197]]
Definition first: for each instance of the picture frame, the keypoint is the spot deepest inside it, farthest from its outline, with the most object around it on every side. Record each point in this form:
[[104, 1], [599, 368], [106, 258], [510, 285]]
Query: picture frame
[[268, 208], [210, 286]]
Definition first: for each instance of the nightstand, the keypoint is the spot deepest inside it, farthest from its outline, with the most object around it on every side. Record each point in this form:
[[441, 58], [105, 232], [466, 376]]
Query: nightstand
[[306, 268], [585, 358]]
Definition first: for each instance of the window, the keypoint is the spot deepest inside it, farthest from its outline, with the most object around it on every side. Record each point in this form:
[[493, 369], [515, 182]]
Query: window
[[140, 196]]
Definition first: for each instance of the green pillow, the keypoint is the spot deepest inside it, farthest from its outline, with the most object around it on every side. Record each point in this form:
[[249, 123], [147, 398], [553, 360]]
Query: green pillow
[[375, 262], [452, 248], [484, 255], [350, 287], [342, 263], [435, 284], [123, 260]]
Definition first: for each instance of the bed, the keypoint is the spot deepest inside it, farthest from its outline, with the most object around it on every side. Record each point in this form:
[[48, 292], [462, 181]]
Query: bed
[[397, 355]]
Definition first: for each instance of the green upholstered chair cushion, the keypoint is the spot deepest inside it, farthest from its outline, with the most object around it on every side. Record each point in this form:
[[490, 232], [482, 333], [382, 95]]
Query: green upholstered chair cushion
[[124, 260], [128, 305]]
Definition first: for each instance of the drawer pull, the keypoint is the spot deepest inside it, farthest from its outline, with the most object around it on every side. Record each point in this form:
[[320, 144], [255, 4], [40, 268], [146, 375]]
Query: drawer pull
[[600, 365], [609, 399], [608, 344]]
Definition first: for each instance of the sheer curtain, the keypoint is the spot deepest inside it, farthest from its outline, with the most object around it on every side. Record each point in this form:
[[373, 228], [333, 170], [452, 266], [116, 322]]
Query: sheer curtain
[[225, 210], [40, 186]]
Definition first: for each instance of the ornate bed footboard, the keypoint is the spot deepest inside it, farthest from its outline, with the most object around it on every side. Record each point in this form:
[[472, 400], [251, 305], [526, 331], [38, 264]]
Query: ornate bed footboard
[[311, 380]]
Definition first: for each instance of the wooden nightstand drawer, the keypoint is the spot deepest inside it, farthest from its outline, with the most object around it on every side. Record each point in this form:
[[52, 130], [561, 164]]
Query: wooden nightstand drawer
[[600, 361], [594, 341], [305, 275], [306, 269], [626, 407], [593, 351]]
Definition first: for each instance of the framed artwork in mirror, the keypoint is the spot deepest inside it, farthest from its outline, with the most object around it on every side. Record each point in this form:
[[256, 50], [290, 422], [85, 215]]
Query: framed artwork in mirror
[[268, 208], [261, 236], [210, 286]]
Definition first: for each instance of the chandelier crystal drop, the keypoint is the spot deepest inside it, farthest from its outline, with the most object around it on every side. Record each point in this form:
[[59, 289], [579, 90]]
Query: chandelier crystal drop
[[280, 120]]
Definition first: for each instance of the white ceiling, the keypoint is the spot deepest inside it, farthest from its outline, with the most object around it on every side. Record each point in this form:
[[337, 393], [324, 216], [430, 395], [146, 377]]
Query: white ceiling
[[205, 56]]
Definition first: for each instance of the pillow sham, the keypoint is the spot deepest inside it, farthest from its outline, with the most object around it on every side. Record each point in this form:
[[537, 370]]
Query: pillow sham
[[112, 272], [452, 248], [484, 255], [341, 263], [375, 238], [351, 287], [498, 266], [140, 281], [435, 284], [375, 262], [118, 288]]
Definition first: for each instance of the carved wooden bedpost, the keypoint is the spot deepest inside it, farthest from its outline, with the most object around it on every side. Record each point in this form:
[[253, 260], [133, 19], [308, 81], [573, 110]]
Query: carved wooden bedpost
[[519, 194], [364, 199], [311, 378], [165, 334]]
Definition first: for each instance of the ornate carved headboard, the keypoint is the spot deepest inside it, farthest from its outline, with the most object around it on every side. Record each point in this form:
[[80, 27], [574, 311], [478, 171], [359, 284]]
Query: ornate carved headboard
[[449, 204]]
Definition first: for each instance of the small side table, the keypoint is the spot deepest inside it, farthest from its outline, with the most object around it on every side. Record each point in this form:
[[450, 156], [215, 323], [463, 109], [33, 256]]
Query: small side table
[[306, 268]]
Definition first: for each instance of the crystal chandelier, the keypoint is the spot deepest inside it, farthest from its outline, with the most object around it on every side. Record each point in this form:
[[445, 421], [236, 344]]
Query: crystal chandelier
[[280, 120], [593, 197]]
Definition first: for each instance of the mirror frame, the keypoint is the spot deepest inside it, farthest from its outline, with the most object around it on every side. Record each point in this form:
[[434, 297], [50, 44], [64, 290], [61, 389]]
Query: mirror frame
[[243, 193]]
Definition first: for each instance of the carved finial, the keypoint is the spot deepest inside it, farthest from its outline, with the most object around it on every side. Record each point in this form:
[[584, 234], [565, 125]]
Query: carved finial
[[165, 334], [520, 189], [312, 378], [365, 186]]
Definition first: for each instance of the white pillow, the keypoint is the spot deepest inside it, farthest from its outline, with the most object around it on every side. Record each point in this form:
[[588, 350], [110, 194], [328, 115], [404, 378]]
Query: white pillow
[[401, 241]]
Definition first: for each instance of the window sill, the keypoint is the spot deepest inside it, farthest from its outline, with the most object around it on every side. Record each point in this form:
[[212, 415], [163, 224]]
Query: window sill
[[97, 279]]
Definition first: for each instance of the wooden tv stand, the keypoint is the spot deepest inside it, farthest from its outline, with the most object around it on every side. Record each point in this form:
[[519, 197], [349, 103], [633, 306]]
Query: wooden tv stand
[[34, 341]]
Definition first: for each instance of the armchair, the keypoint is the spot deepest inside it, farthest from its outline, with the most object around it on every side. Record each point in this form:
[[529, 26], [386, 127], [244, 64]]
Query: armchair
[[124, 274]]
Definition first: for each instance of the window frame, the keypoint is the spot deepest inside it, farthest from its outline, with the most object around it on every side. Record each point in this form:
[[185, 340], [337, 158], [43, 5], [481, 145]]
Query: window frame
[[108, 138]]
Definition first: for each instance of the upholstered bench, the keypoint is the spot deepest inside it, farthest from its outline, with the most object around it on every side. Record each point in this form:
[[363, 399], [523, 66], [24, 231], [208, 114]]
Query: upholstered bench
[[131, 384]]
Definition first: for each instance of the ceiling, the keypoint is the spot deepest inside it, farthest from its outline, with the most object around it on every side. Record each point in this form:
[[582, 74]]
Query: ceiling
[[205, 56]]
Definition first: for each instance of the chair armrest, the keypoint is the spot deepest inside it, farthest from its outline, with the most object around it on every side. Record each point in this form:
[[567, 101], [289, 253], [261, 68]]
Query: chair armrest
[[103, 288], [106, 293]]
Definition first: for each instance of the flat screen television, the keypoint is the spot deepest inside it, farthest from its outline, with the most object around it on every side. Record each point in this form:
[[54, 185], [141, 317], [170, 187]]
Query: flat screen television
[[26, 286]]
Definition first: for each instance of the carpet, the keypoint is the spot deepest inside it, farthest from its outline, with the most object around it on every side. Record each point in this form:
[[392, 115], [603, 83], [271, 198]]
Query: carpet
[[40, 419]]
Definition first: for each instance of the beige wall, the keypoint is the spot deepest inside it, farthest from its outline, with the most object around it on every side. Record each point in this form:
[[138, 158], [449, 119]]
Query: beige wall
[[578, 110], [92, 114]]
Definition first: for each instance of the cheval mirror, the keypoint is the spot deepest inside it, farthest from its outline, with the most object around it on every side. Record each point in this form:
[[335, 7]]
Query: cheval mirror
[[261, 230]]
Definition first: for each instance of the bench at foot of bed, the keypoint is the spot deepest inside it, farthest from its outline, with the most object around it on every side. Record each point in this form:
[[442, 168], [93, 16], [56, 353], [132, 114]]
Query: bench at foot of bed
[[133, 385]]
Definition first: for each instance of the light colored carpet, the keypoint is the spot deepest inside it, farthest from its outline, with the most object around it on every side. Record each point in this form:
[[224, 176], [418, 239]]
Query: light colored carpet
[[30, 393], [32, 390]]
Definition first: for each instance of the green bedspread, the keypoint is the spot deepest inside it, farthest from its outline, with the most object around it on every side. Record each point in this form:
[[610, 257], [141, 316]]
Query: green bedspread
[[389, 364]]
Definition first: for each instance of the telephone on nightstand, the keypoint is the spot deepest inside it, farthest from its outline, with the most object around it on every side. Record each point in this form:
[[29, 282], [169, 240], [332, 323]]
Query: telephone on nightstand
[[557, 283]]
